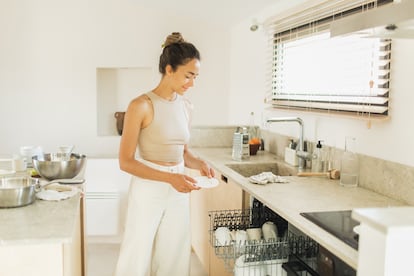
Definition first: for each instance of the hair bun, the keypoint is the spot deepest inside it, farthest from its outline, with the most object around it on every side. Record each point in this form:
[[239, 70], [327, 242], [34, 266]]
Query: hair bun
[[175, 37]]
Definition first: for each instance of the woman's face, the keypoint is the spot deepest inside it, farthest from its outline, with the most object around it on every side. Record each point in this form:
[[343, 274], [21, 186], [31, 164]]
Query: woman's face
[[184, 77]]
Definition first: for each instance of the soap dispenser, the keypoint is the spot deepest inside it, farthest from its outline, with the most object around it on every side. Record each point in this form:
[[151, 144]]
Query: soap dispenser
[[318, 158]]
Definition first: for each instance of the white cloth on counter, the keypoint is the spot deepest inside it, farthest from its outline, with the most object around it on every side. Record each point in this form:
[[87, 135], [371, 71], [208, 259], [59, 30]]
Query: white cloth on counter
[[57, 192], [266, 177]]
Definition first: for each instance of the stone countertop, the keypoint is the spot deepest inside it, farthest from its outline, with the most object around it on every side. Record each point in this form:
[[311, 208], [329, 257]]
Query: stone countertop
[[301, 194], [40, 222]]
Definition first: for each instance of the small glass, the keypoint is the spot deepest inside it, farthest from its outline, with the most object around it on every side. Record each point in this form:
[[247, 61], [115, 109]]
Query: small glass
[[19, 163], [66, 151]]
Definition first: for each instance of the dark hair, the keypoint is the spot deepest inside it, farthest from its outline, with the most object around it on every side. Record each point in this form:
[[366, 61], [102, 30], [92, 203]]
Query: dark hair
[[176, 52]]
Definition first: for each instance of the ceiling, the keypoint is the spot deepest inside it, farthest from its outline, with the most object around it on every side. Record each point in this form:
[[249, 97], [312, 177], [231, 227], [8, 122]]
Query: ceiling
[[218, 11]]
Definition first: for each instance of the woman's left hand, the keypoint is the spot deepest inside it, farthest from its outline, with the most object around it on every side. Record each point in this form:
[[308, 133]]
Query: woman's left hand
[[196, 163], [206, 170]]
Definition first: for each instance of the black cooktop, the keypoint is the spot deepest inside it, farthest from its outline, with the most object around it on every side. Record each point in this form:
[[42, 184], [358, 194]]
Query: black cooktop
[[338, 223]]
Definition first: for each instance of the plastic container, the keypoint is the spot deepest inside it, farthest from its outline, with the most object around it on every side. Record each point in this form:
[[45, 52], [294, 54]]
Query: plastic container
[[291, 157], [349, 164]]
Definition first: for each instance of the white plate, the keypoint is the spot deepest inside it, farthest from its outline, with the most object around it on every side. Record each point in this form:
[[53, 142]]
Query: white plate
[[54, 195], [205, 182]]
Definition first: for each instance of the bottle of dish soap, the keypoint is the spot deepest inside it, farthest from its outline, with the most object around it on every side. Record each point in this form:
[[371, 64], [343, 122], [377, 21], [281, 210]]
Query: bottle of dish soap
[[318, 158]]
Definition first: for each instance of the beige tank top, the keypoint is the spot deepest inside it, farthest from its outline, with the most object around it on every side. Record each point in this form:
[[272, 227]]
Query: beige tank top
[[164, 138]]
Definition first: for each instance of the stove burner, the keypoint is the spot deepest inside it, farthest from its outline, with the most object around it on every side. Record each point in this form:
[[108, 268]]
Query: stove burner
[[338, 223]]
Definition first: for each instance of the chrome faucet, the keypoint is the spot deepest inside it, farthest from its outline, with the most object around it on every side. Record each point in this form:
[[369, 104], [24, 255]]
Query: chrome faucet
[[303, 155]]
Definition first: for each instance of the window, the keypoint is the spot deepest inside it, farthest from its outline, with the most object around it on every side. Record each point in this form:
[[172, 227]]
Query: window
[[345, 75]]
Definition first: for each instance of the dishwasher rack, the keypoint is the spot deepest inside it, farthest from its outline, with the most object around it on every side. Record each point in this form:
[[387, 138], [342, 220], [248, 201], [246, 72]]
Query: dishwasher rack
[[258, 257]]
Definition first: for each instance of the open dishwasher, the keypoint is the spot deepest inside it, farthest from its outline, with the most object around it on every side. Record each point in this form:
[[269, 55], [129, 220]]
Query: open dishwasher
[[240, 239]]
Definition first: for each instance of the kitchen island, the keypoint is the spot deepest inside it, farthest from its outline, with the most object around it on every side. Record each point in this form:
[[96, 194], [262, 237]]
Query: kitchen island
[[44, 238], [300, 194]]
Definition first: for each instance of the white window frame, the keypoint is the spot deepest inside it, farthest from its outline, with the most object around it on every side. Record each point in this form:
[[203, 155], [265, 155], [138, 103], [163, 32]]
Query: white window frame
[[372, 100]]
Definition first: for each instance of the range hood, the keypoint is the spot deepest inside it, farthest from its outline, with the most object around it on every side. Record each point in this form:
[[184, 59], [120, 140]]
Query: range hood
[[394, 20]]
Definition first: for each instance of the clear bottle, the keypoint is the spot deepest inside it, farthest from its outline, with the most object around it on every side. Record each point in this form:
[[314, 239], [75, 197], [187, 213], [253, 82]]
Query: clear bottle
[[253, 131], [318, 158], [349, 164]]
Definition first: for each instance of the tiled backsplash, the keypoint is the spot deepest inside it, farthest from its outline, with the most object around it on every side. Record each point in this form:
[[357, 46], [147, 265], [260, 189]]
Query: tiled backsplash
[[212, 136], [384, 177]]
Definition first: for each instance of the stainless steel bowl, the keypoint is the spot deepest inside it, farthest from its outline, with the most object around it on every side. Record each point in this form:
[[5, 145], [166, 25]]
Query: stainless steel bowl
[[17, 191], [58, 166]]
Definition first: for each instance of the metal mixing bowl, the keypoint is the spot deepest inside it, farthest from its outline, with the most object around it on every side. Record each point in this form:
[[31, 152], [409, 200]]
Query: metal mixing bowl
[[58, 166], [17, 191]]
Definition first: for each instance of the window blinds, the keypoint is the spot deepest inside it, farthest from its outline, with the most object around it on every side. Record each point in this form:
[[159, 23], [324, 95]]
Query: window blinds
[[311, 71]]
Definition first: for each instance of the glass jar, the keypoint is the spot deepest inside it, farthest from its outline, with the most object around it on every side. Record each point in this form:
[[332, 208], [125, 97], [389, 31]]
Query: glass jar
[[349, 164]]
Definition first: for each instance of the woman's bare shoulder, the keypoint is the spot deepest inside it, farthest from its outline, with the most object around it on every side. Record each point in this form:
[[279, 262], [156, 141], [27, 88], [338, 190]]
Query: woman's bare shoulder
[[140, 102]]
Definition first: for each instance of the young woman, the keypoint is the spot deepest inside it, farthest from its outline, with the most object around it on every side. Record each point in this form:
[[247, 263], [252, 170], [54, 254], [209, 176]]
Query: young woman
[[157, 239]]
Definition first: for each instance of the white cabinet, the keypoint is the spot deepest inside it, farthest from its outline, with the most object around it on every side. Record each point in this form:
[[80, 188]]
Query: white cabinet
[[386, 240], [106, 191], [46, 257]]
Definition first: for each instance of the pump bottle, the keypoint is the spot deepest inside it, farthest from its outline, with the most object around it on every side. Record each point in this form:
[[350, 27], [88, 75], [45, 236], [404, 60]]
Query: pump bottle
[[318, 162]]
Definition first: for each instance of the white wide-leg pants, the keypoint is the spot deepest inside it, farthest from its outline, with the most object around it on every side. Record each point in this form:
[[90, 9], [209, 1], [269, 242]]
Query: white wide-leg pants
[[157, 239]]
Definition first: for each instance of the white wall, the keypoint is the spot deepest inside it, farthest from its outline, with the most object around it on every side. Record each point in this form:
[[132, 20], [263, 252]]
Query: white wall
[[49, 53], [50, 50], [389, 140]]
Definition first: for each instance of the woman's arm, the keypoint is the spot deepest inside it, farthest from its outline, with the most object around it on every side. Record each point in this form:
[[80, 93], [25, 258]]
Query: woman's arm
[[137, 116]]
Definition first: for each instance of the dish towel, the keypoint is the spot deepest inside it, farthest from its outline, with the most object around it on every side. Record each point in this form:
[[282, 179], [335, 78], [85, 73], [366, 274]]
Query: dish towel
[[266, 177]]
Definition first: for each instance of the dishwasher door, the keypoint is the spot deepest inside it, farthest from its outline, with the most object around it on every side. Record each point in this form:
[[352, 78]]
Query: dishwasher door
[[327, 264]]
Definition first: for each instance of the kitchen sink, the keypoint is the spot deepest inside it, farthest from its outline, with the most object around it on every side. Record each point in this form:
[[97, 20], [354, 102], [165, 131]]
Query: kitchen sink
[[249, 169]]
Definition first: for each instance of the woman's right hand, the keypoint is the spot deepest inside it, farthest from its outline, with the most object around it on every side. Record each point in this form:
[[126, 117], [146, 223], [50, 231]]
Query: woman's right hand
[[183, 183]]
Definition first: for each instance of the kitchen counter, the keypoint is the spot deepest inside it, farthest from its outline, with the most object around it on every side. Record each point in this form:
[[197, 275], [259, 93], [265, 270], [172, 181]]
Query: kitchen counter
[[40, 222], [300, 194], [44, 230]]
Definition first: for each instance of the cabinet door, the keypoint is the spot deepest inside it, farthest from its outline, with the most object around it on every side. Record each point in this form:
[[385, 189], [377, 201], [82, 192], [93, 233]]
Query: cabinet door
[[106, 192], [45, 258], [200, 223], [74, 252], [226, 196], [32, 259]]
